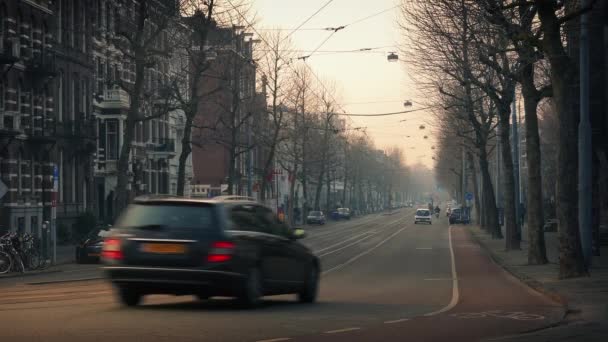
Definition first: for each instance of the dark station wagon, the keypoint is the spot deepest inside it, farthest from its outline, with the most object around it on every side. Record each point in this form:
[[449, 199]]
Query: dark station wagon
[[229, 246]]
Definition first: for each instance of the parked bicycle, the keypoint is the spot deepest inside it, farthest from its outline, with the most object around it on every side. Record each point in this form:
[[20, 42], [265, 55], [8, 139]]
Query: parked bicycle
[[20, 252]]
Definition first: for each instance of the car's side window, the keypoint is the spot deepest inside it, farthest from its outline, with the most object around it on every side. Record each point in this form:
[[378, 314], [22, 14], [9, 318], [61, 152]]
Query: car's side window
[[244, 218], [270, 222]]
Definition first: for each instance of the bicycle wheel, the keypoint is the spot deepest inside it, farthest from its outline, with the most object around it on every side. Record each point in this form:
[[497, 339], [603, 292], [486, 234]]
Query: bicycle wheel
[[17, 262], [33, 259], [42, 262], [6, 262]]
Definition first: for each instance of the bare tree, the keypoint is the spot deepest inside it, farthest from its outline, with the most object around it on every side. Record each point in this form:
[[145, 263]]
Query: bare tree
[[518, 24], [139, 41], [440, 42], [274, 64]]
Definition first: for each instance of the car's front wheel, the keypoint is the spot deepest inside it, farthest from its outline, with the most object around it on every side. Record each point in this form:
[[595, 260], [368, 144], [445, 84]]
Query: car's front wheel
[[129, 296], [308, 293]]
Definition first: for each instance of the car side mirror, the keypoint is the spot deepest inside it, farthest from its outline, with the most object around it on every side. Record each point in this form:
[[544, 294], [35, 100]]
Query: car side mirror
[[298, 233]]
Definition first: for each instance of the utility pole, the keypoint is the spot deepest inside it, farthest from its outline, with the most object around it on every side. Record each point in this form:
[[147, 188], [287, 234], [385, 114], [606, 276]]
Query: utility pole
[[515, 138], [584, 143]]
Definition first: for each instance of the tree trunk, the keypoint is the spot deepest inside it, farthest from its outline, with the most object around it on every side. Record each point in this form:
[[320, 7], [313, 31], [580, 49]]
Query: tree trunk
[[328, 179], [319, 188], [475, 186], [232, 169], [563, 80], [491, 212], [512, 242], [183, 157], [122, 174], [292, 187], [268, 164], [537, 254]]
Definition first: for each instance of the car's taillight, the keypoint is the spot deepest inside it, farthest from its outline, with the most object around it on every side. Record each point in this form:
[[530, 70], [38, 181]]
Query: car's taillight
[[112, 249], [220, 251]]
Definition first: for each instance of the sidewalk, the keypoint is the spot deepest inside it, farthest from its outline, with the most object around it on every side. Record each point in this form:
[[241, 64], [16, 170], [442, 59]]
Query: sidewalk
[[585, 298], [66, 256]]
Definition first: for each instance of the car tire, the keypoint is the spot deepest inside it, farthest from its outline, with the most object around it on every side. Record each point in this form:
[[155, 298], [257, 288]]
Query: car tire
[[129, 296], [308, 293], [253, 292]]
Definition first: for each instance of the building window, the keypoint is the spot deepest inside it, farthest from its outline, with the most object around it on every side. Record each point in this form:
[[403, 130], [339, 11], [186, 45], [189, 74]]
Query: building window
[[34, 225], [60, 98], [2, 94], [73, 181], [83, 99], [83, 29], [112, 140], [21, 225], [71, 22], [73, 97]]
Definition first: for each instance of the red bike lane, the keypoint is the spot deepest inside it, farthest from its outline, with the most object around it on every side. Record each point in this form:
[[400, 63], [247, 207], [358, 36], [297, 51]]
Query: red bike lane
[[491, 303]]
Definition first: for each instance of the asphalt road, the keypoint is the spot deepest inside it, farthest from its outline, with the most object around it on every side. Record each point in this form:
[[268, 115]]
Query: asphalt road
[[384, 279]]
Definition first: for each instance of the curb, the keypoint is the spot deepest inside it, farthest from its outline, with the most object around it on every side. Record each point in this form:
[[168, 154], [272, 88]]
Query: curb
[[529, 281], [64, 281], [29, 274]]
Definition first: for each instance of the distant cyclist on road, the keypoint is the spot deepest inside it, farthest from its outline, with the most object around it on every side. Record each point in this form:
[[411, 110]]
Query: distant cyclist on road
[[437, 210]]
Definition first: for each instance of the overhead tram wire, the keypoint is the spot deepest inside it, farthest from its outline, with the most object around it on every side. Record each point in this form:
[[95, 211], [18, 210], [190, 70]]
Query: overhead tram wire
[[345, 26], [286, 62], [384, 114], [302, 24]]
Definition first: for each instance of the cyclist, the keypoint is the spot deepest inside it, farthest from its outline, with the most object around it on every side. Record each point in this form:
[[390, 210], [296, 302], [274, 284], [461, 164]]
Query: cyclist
[[437, 210]]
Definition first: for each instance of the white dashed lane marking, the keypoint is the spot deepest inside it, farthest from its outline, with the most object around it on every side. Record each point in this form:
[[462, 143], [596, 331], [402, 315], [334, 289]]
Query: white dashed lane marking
[[397, 321], [341, 330]]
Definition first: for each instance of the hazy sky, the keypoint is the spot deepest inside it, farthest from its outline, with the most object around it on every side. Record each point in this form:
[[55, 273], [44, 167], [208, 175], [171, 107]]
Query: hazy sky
[[359, 77]]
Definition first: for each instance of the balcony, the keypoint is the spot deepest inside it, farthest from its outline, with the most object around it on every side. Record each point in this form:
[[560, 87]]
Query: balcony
[[42, 66], [161, 148], [115, 98]]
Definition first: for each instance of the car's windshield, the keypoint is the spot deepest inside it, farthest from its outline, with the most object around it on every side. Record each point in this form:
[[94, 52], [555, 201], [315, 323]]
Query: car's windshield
[[167, 215], [423, 213], [315, 213]]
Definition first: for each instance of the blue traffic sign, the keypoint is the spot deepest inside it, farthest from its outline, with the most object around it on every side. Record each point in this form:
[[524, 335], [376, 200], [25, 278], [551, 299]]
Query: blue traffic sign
[[468, 196]]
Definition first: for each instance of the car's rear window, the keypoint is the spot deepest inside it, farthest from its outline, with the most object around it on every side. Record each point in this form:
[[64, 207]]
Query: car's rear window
[[167, 215], [422, 213], [315, 213]]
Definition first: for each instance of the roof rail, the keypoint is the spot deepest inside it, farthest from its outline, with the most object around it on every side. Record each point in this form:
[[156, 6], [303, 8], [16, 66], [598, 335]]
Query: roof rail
[[229, 198]]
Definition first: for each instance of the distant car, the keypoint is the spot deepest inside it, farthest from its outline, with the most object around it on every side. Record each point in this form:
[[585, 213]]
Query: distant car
[[423, 216], [207, 247], [459, 215], [89, 249], [344, 213], [315, 217]]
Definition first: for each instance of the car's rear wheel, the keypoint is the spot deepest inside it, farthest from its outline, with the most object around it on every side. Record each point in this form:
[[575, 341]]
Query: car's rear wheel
[[129, 296], [309, 291], [253, 289]]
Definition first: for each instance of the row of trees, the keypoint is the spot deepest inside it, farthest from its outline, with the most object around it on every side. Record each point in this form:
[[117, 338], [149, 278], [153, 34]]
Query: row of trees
[[472, 57], [298, 130]]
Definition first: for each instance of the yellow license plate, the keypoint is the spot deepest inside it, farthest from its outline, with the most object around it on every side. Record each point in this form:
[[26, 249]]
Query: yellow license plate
[[163, 248], [93, 254]]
